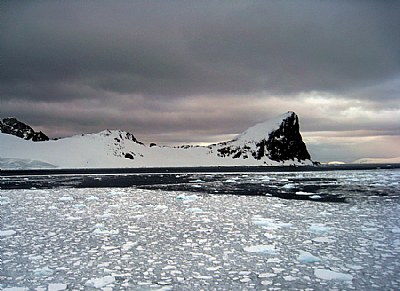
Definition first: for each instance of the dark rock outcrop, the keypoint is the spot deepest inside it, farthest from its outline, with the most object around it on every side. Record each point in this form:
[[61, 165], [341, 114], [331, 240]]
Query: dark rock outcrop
[[14, 127], [281, 144], [286, 143]]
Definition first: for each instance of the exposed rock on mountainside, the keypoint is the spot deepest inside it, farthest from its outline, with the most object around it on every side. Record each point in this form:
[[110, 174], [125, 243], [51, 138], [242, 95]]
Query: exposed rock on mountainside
[[285, 143], [13, 126], [278, 141]]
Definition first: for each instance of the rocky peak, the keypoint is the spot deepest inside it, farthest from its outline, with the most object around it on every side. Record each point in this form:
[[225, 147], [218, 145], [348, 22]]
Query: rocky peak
[[278, 140], [15, 127], [286, 143]]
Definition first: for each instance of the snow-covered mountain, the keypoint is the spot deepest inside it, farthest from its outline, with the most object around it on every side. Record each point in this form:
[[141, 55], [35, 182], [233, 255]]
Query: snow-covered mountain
[[378, 161], [275, 142]]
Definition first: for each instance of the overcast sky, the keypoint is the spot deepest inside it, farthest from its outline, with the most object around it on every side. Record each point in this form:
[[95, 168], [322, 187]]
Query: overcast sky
[[175, 72]]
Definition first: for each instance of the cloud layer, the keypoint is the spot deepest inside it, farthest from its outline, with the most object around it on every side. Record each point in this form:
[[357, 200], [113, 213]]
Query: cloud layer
[[197, 71]]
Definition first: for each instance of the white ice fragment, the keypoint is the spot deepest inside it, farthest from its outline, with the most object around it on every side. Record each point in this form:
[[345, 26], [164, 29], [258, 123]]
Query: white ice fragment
[[52, 207], [315, 197], [331, 275], [4, 200], [289, 186], [396, 230], [66, 198], [267, 275], [92, 198], [15, 289], [197, 181], [100, 282], [195, 210], [306, 257], [266, 249], [269, 223], [230, 181], [319, 228], [45, 271], [187, 198], [57, 287], [323, 239], [79, 206], [8, 232], [161, 207], [128, 245], [302, 193]]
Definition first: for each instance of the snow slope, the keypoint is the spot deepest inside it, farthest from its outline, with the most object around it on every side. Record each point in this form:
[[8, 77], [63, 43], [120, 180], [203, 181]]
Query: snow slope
[[116, 148], [378, 161]]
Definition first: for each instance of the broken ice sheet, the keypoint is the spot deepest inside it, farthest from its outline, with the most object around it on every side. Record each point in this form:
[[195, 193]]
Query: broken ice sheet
[[306, 257], [332, 275], [266, 249]]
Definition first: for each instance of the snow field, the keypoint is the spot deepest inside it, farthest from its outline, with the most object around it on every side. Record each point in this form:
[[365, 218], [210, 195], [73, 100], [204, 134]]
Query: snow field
[[135, 239]]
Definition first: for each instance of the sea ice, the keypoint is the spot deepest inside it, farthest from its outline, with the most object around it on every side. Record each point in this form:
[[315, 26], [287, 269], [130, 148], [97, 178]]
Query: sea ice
[[266, 249], [57, 287], [269, 223], [331, 275], [66, 198], [306, 257], [45, 271], [396, 230], [323, 239], [187, 198], [100, 282], [194, 210], [319, 228], [7, 232]]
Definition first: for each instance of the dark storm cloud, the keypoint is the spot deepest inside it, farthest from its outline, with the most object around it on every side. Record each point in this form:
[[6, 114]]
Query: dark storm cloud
[[59, 50]]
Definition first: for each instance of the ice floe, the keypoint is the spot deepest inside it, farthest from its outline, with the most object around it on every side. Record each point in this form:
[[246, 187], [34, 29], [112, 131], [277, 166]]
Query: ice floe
[[266, 249], [332, 275], [306, 257], [7, 232], [100, 282]]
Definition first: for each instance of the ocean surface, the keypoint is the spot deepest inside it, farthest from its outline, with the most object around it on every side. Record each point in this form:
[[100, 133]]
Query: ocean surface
[[205, 230]]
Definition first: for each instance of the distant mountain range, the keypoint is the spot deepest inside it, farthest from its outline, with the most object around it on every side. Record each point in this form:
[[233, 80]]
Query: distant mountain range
[[274, 142]]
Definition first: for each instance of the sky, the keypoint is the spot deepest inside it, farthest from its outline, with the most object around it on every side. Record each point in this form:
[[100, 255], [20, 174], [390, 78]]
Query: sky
[[199, 72]]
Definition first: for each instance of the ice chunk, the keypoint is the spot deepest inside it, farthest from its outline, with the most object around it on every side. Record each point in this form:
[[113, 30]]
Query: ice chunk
[[331, 275], [57, 287], [66, 198], [266, 249], [92, 198], [15, 289], [323, 239], [315, 197], [7, 232], [319, 228], [4, 200], [161, 207], [106, 231], [187, 198], [100, 282], [396, 230], [269, 223], [45, 271], [304, 193], [195, 210], [306, 257], [289, 186]]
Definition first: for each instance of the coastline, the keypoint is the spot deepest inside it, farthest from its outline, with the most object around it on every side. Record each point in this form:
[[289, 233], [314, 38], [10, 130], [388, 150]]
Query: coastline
[[207, 169]]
